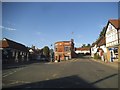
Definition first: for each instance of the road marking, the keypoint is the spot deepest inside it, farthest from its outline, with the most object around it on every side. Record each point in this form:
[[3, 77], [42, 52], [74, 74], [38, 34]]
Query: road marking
[[16, 82], [7, 74], [19, 82]]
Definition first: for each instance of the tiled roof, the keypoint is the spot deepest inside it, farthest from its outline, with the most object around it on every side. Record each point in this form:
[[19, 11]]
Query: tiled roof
[[6, 43], [115, 23], [93, 44], [99, 49], [62, 41], [82, 49], [101, 41], [65, 41]]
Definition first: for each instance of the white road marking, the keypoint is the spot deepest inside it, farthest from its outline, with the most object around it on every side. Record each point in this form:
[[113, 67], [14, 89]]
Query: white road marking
[[16, 82], [7, 74]]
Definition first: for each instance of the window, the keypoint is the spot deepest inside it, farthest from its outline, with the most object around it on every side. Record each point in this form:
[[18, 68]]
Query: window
[[92, 49], [110, 27], [116, 50], [20, 53], [59, 49], [67, 48], [56, 49], [13, 53]]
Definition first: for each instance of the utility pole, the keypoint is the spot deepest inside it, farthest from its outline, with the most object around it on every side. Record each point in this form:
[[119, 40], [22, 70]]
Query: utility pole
[[51, 52]]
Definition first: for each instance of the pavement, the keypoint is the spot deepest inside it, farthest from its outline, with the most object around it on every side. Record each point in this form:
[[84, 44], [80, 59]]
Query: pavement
[[114, 64], [111, 64]]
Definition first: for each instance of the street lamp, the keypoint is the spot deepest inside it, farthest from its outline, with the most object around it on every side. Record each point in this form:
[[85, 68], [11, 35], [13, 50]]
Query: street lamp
[[51, 53]]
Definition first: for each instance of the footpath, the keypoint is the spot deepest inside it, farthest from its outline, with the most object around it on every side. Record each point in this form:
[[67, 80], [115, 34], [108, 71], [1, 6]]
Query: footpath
[[114, 64]]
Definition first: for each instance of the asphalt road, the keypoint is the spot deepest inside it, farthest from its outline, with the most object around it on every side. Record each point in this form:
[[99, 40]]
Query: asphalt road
[[75, 73]]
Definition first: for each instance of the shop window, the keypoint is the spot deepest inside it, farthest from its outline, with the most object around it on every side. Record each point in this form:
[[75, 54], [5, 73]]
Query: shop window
[[116, 51]]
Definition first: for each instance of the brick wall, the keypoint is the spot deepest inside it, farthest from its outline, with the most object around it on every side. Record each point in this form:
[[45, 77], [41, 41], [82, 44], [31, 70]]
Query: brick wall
[[60, 52]]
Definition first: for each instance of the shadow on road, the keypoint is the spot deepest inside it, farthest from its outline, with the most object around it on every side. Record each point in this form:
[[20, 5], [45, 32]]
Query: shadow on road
[[18, 65], [84, 56], [65, 82], [104, 78]]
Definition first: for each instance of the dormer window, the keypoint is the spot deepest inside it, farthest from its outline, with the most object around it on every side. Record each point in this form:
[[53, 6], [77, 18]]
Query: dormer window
[[110, 27]]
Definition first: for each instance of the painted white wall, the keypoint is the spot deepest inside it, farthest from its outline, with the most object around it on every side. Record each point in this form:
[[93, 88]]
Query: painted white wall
[[111, 36], [93, 50], [104, 48], [119, 35], [85, 51]]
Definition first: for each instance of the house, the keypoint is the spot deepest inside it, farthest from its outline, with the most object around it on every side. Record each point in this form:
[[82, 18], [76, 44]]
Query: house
[[35, 53], [82, 50], [99, 47], [102, 50], [113, 40], [13, 52], [64, 50], [93, 49]]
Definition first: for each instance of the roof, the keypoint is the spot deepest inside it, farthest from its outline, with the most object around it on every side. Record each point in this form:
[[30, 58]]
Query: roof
[[115, 23], [100, 41], [7, 43], [93, 44], [62, 41], [65, 41], [100, 49], [82, 49]]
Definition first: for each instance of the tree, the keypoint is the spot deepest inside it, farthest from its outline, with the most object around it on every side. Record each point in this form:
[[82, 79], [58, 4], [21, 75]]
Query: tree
[[83, 45], [46, 51], [103, 32], [88, 45], [33, 47]]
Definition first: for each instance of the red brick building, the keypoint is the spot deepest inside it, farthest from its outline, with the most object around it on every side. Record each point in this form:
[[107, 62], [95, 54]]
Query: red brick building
[[64, 50]]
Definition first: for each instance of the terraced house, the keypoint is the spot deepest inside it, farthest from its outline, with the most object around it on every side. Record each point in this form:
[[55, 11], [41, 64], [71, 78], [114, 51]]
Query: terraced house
[[13, 52], [99, 47], [64, 50], [113, 40]]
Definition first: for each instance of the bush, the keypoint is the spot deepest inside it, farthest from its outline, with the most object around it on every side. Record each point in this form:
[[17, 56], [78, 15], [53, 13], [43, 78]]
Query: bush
[[96, 56]]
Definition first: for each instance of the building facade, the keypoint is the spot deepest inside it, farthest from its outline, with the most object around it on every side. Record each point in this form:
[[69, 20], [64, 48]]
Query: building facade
[[85, 50], [64, 50], [13, 52], [99, 47], [93, 49], [113, 40]]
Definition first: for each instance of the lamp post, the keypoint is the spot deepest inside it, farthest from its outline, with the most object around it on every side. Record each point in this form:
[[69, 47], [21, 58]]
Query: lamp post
[[51, 53]]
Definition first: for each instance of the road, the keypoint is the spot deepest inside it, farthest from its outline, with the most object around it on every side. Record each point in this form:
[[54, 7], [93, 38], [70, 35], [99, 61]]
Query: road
[[75, 73]]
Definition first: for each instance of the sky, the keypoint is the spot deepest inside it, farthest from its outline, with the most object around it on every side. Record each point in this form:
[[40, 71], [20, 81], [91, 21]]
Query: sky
[[44, 23]]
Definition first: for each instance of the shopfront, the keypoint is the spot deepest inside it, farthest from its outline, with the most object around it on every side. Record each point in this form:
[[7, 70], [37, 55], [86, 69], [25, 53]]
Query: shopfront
[[113, 54]]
